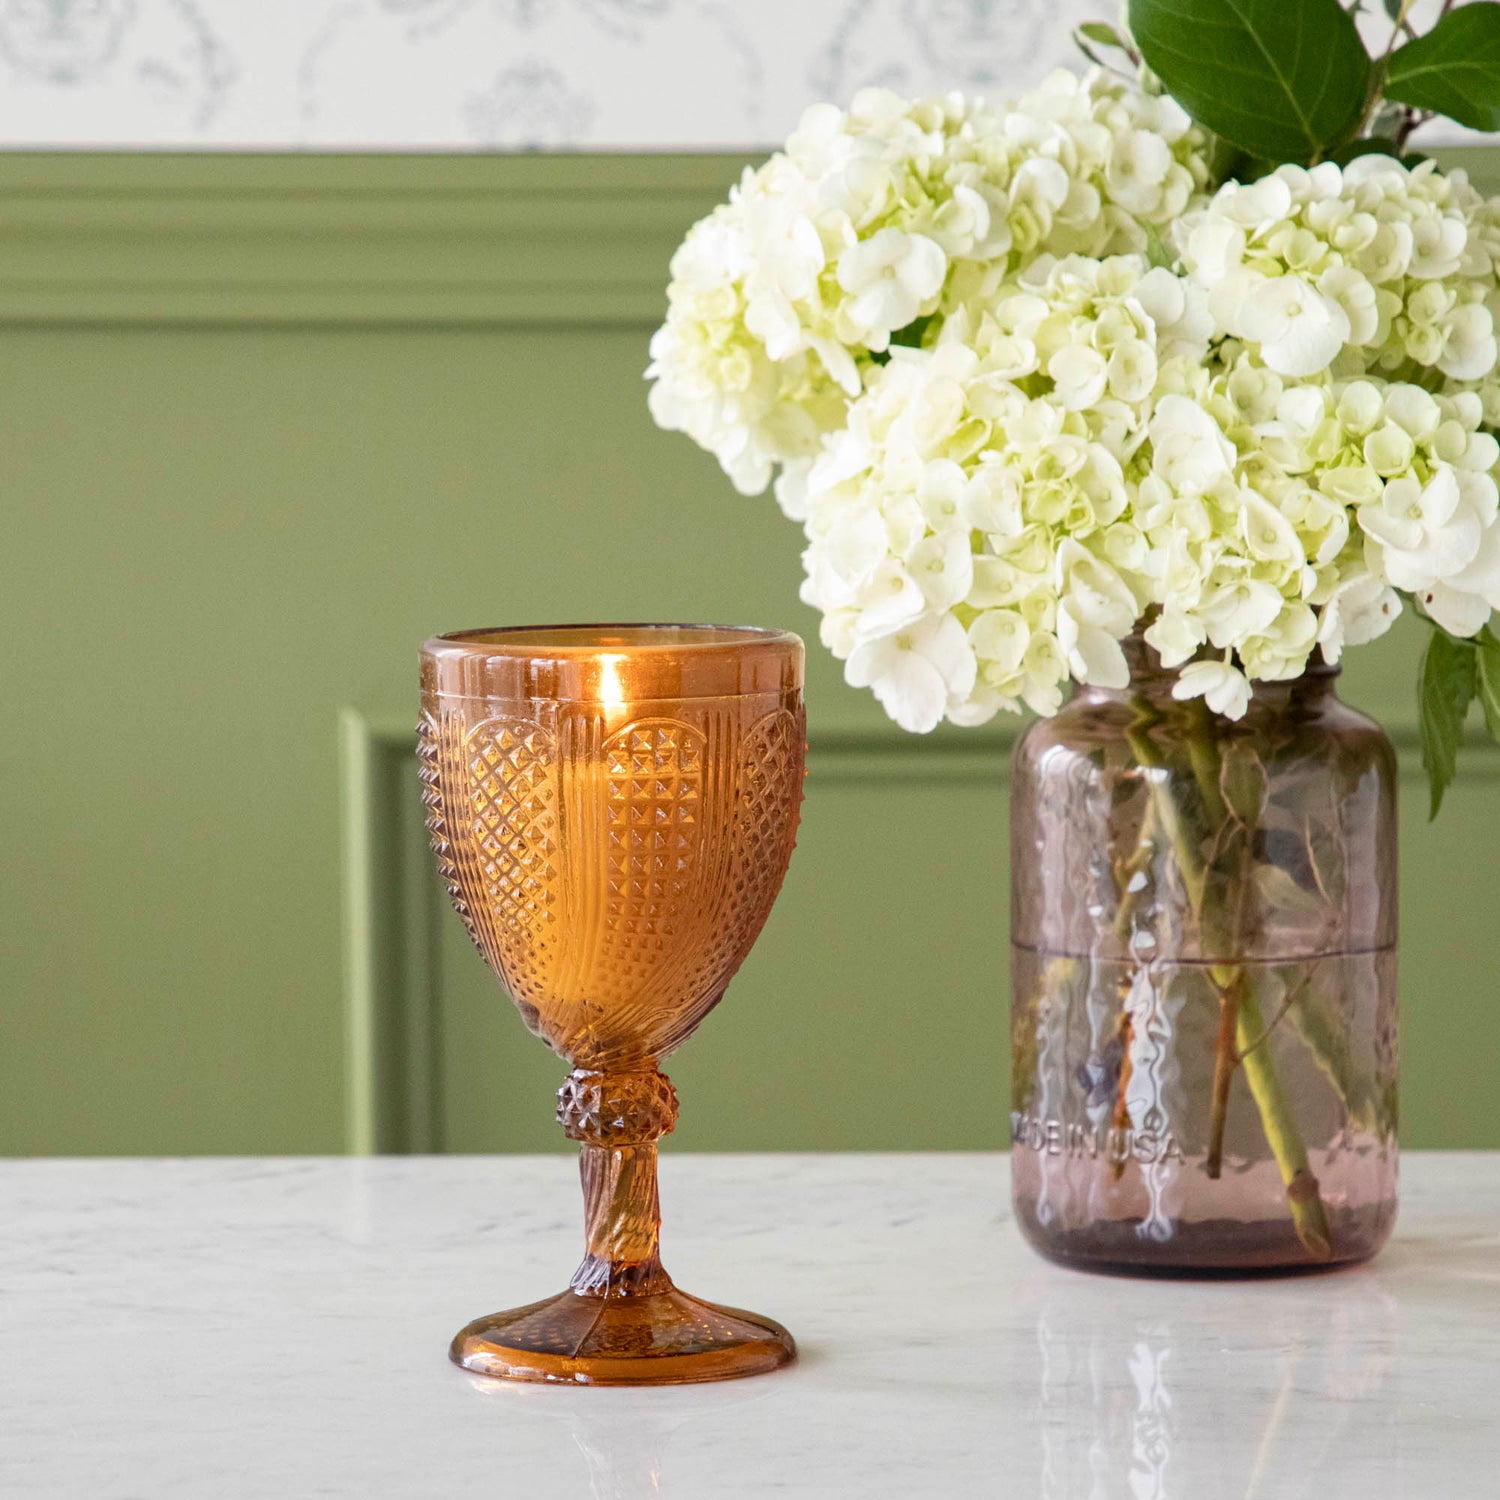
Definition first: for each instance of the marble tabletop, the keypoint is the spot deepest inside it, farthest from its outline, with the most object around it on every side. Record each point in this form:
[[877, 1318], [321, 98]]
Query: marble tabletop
[[278, 1328]]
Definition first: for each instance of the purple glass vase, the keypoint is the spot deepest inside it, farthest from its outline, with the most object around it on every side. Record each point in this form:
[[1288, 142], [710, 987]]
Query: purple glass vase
[[1204, 979]]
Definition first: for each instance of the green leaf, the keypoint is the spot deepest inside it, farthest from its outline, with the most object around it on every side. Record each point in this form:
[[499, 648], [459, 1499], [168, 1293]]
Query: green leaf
[[1096, 33], [1454, 70], [1157, 253], [1282, 81], [1449, 678], [911, 336], [1382, 145], [1370, 145], [1489, 680], [1106, 36], [1287, 900], [1243, 782]]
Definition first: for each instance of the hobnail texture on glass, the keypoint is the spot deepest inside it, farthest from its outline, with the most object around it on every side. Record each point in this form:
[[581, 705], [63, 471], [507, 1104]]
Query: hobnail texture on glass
[[613, 808], [1204, 980]]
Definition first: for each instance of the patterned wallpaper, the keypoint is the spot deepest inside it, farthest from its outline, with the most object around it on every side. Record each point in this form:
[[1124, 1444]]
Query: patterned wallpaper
[[494, 74]]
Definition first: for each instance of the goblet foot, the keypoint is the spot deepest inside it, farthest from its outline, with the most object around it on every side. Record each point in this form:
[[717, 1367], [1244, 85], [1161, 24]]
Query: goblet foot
[[665, 1338]]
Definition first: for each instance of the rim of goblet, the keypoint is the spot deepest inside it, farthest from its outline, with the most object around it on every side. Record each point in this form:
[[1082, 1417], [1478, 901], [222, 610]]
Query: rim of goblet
[[613, 662], [506, 638]]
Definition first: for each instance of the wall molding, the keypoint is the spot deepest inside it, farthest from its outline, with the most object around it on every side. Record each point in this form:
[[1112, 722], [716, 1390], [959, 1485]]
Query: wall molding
[[357, 240], [362, 240], [391, 908]]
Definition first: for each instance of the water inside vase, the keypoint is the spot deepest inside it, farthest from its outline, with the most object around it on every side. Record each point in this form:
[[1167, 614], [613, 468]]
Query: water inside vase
[[1113, 1116]]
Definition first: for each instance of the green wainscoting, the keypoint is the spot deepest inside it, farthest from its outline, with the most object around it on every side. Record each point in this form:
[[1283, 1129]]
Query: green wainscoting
[[270, 421]]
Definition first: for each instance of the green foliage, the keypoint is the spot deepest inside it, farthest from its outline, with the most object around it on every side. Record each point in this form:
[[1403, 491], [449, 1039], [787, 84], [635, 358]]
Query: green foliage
[[1369, 145], [1093, 35], [1276, 81], [1454, 70], [1447, 685], [1157, 251], [1284, 82], [1489, 681], [909, 337], [912, 335], [1106, 36]]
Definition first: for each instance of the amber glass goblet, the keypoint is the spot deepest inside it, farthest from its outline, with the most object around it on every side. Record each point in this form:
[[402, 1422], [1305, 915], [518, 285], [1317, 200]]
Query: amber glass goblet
[[612, 808]]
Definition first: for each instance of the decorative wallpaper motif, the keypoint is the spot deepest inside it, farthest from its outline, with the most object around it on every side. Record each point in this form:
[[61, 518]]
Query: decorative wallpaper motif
[[511, 75]]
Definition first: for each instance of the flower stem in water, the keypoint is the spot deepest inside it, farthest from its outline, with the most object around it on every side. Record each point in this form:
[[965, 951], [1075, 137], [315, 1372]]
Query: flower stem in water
[[1285, 1140]]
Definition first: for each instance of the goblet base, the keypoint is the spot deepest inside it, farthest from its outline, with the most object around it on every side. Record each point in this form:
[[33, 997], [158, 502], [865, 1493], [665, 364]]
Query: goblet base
[[667, 1338]]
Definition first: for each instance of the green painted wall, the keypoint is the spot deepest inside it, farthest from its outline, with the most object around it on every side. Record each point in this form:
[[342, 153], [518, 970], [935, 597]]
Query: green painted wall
[[268, 422]]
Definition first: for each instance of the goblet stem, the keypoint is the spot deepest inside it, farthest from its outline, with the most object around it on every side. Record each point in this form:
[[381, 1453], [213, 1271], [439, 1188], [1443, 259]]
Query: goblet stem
[[621, 1320], [617, 1119], [622, 1210]]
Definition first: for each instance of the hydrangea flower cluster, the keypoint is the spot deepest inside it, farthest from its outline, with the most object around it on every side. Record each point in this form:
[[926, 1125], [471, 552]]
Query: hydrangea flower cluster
[[1017, 429], [1372, 266], [783, 301], [1318, 503], [973, 541]]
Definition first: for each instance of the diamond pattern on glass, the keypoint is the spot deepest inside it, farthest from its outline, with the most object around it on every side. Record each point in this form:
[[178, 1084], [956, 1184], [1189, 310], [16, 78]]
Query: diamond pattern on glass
[[514, 819], [653, 807], [510, 772], [611, 1109], [771, 762], [430, 753]]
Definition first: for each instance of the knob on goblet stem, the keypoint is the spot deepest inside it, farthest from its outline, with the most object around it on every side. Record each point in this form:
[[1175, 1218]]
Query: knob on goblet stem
[[612, 809]]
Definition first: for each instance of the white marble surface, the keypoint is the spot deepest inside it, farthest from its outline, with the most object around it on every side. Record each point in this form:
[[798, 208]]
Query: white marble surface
[[277, 1328]]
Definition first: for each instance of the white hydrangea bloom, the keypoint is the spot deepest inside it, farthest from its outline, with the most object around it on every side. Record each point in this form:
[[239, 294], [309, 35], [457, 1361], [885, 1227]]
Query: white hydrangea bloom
[[984, 480], [1431, 530], [892, 278], [1220, 685], [1299, 329], [1013, 441], [1395, 266], [782, 301], [1359, 609], [916, 671], [1001, 480]]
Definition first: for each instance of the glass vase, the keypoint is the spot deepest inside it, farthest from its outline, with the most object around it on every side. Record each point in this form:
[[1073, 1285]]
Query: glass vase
[[1204, 979]]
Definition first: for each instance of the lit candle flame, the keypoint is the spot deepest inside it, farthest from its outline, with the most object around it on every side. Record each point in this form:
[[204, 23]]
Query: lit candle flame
[[611, 694]]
